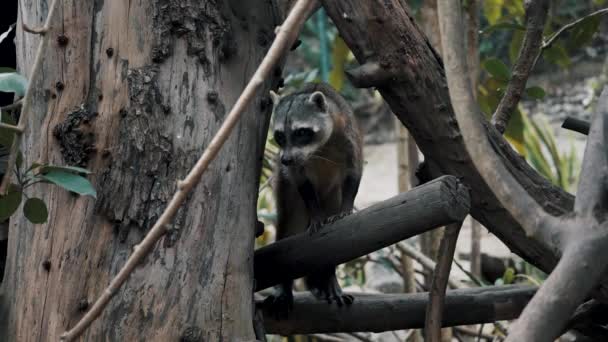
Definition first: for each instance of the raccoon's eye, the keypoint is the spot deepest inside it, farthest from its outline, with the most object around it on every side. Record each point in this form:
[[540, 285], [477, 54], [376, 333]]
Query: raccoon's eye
[[279, 137], [303, 136]]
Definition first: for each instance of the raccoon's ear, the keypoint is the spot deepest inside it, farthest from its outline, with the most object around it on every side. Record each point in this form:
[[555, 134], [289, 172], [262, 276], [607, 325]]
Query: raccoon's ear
[[318, 99], [274, 97]]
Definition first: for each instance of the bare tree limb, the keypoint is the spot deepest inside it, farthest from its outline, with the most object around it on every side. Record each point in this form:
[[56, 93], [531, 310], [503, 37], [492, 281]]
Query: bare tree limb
[[286, 35], [13, 128], [434, 309], [532, 217], [27, 99], [439, 202], [386, 312], [536, 16], [547, 44]]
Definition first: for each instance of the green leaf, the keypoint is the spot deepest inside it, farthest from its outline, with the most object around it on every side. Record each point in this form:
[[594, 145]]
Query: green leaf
[[509, 276], [339, 55], [70, 181], [535, 92], [35, 210], [73, 169], [10, 202], [497, 68], [492, 10], [13, 83], [515, 131], [557, 54]]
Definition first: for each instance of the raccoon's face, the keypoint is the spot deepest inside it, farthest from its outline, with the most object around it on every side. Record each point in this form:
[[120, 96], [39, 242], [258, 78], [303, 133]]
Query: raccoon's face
[[302, 125]]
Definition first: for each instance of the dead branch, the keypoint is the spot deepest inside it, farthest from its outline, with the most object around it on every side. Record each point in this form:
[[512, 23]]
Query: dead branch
[[286, 35], [13, 128], [439, 202], [434, 309], [536, 16], [387, 312], [27, 99]]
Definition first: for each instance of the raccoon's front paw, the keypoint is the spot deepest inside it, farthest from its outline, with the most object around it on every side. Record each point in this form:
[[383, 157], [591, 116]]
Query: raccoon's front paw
[[337, 217], [315, 225]]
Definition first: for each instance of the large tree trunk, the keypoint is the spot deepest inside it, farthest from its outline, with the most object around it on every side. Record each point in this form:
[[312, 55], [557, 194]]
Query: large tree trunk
[[145, 86]]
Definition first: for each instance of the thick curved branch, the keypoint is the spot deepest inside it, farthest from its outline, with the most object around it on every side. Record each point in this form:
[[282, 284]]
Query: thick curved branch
[[536, 16], [434, 310], [532, 217], [285, 37]]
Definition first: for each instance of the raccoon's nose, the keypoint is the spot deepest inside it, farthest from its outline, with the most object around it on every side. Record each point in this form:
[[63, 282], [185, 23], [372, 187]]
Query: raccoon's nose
[[286, 160]]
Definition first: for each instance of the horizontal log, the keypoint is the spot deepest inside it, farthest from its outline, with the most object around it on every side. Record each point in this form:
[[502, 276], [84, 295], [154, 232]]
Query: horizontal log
[[386, 312], [439, 202]]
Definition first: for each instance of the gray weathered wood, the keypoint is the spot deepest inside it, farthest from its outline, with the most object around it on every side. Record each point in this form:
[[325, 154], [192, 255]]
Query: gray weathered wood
[[442, 201], [377, 313]]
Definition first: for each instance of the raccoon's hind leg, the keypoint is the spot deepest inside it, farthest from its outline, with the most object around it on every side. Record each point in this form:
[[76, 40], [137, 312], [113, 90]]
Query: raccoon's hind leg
[[324, 285]]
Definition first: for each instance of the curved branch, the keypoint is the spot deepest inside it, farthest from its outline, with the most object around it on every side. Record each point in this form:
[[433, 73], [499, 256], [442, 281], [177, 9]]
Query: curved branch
[[532, 217], [536, 16], [434, 310], [285, 37]]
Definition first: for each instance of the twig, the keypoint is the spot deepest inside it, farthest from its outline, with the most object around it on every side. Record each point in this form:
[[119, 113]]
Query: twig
[[547, 44], [576, 125], [536, 15], [286, 34], [27, 99], [424, 260], [13, 128], [434, 309]]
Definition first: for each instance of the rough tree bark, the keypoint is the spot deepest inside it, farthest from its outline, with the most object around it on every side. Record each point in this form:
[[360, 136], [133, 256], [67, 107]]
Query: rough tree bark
[[135, 96]]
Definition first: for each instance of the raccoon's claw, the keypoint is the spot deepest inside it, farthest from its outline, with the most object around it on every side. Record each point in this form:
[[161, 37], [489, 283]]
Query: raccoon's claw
[[336, 217], [334, 294], [279, 305]]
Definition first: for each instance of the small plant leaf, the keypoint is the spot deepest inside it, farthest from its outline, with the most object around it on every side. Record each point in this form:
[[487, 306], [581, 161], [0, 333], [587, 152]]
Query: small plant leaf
[[72, 169], [497, 68], [558, 55], [12, 82], [535, 92], [70, 181], [35, 210], [503, 26], [10, 202]]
